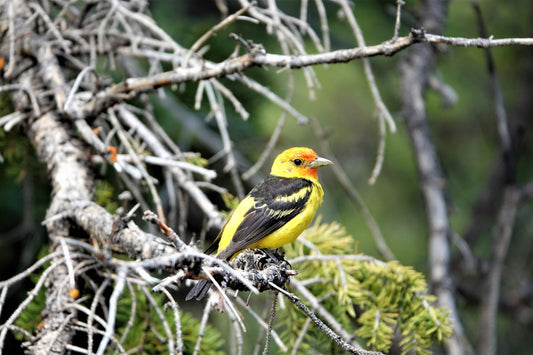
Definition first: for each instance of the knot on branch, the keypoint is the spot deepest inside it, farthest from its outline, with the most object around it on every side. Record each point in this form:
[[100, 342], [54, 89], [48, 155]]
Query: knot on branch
[[261, 270], [251, 48], [418, 35]]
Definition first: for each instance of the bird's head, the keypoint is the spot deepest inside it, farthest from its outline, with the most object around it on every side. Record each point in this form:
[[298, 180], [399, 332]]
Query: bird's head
[[298, 162]]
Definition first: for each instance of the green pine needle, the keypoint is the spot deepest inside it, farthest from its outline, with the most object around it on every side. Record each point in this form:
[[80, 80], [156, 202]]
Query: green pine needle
[[371, 299]]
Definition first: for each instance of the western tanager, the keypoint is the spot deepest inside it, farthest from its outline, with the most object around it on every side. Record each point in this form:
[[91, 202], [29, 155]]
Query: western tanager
[[275, 212]]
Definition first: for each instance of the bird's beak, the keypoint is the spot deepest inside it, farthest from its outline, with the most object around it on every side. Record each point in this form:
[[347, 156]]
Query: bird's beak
[[318, 162]]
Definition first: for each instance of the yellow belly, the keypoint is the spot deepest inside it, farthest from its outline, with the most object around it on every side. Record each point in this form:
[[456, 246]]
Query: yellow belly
[[292, 229], [286, 234]]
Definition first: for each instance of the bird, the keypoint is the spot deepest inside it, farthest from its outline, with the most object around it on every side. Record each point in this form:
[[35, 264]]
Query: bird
[[275, 212]]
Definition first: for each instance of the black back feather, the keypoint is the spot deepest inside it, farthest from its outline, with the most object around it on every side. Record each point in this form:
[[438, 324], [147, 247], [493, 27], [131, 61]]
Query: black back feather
[[269, 212]]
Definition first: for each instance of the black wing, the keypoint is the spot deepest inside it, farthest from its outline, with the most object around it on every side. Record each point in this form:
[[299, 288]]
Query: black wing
[[278, 200]]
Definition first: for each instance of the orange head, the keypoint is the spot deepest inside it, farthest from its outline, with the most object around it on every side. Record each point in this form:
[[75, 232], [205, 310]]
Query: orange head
[[298, 162]]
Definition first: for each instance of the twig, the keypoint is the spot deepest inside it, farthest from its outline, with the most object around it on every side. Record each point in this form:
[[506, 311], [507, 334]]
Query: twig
[[380, 105], [102, 322], [169, 338], [381, 152], [10, 120], [303, 15], [127, 142], [3, 298], [239, 108], [500, 244], [448, 95], [184, 181], [31, 96], [222, 124], [133, 313], [177, 321], [383, 112], [159, 161], [275, 134], [236, 338], [323, 24], [262, 323], [329, 332], [68, 262], [301, 336], [477, 42], [203, 325], [76, 85], [270, 322], [268, 148], [91, 315], [399, 4], [151, 217], [499, 105], [252, 84], [199, 94], [38, 9], [200, 41], [327, 316], [231, 307], [28, 271], [112, 315]]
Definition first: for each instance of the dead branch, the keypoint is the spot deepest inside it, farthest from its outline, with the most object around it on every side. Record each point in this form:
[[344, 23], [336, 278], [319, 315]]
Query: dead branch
[[415, 71]]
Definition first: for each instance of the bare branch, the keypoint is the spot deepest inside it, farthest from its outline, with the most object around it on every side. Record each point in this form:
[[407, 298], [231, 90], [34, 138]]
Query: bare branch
[[113, 300], [200, 41], [268, 149], [262, 323], [491, 287], [399, 4], [415, 71], [383, 112], [339, 339]]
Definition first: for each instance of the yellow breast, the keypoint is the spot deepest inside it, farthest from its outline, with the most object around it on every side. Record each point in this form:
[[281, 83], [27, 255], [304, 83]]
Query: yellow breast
[[292, 229]]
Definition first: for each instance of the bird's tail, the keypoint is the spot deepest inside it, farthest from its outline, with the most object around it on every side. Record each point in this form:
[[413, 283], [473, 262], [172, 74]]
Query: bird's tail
[[199, 290]]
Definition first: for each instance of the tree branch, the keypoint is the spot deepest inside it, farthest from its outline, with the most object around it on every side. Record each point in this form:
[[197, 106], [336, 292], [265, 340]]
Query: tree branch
[[132, 87], [415, 72]]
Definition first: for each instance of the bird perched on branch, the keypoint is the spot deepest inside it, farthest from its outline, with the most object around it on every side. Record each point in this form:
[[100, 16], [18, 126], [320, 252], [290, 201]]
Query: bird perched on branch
[[275, 212]]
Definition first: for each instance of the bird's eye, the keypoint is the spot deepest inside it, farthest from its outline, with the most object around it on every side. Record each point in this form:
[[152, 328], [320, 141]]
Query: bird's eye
[[297, 162]]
